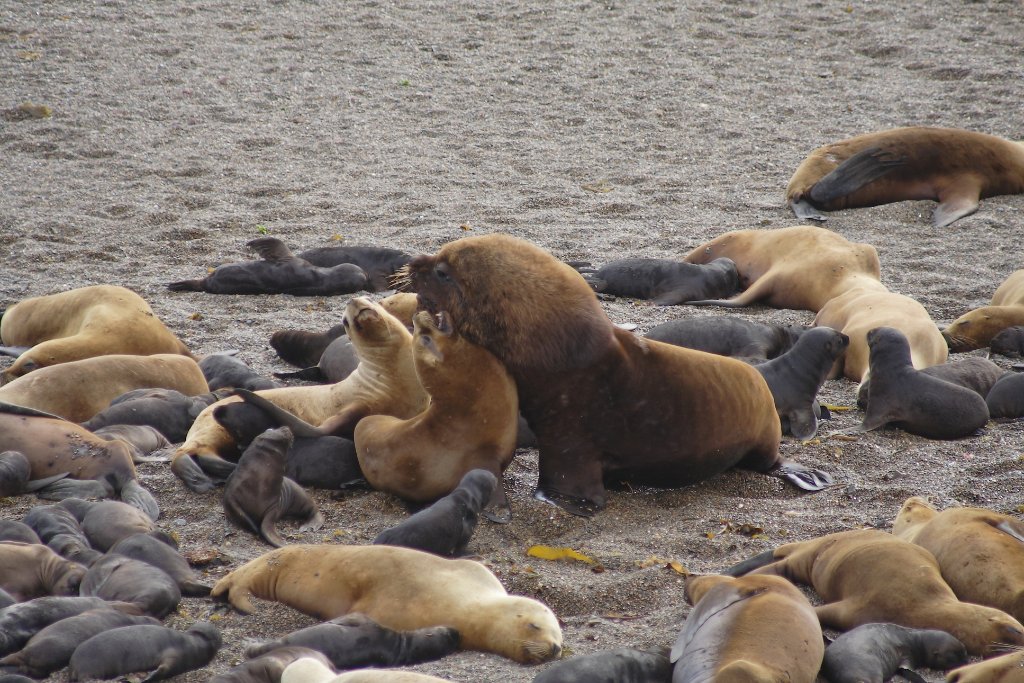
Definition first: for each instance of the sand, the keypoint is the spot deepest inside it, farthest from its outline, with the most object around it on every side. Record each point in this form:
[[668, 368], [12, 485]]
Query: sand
[[180, 130]]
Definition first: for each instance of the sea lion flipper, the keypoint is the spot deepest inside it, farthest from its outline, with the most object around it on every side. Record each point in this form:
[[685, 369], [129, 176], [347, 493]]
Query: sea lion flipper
[[270, 249], [13, 351], [186, 469], [750, 564], [863, 168], [187, 286], [299, 427], [804, 211], [954, 205], [268, 527], [76, 488], [215, 466], [910, 675], [136, 495], [803, 424], [37, 484], [802, 477], [1012, 528], [313, 374], [580, 507]]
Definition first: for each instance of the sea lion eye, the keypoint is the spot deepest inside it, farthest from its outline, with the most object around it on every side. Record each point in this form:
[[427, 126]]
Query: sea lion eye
[[441, 272], [534, 627]]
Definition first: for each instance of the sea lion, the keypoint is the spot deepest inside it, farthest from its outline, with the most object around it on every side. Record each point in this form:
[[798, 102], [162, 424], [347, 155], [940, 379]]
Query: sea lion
[[756, 628], [602, 401], [975, 373], [861, 310], [148, 549], [800, 267], [356, 641], [954, 167], [94, 467], [15, 470], [1010, 292], [50, 649], [401, 589], [1009, 342], [976, 329], [868, 576], [6, 599], [62, 533], [258, 494], [22, 620], [728, 336], [980, 552], [106, 522], [667, 281], [82, 323], [313, 671], [279, 272], [1005, 669], [143, 438], [384, 383], [1006, 398], [98, 380], [225, 370], [269, 667], [13, 530], [445, 527], [144, 647], [877, 652], [169, 412], [913, 401], [31, 570], [795, 377], [609, 666], [337, 362], [379, 263], [116, 577]]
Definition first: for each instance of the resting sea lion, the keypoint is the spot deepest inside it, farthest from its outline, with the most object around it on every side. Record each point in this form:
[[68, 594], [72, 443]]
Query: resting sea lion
[[877, 652], [1006, 398], [1005, 669], [859, 311], [728, 336], [61, 532], [913, 401], [258, 494], [15, 470], [974, 373], [279, 272], [31, 570], [756, 628], [106, 522], [800, 267], [667, 281], [356, 641], [98, 380], [980, 552], [116, 577], [337, 362], [445, 527], [385, 383], [13, 530], [401, 589], [976, 329], [954, 167], [609, 666], [380, 263], [1009, 342], [313, 671], [143, 438], [224, 370], [868, 576], [22, 620], [602, 401], [269, 667], [169, 412], [82, 323], [144, 647], [148, 549]]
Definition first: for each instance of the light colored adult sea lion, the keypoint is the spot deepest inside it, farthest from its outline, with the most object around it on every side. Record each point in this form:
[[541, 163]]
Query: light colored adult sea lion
[[31, 570], [753, 628], [976, 329], [861, 310], [869, 576], [877, 652], [980, 552], [82, 323], [1005, 669], [162, 651], [77, 390], [314, 671], [800, 267], [602, 401], [401, 589], [952, 166], [268, 668], [385, 383], [1011, 291], [667, 281]]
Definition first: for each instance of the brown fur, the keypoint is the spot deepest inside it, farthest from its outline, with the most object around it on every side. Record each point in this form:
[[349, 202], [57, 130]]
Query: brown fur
[[1011, 291], [82, 323], [1005, 669], [799, 267], [401, 589], [976, 329], [31, 570], [952, 166], [870, 576]]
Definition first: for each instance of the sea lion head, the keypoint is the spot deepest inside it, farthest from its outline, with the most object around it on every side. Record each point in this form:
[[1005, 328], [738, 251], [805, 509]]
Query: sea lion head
[[889, 346], [915, 512], [528, 631], [529, 309], [432, 335], [1009, 342], [942, 651], [371, 328], [975, 329]]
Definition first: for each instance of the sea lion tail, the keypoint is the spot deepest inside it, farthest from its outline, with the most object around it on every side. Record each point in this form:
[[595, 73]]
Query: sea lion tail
[[186, 286], [194, 589], [861, 169]]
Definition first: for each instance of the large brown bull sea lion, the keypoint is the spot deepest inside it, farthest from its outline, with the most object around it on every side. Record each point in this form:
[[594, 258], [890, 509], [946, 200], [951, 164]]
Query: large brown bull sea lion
[[601, 400]]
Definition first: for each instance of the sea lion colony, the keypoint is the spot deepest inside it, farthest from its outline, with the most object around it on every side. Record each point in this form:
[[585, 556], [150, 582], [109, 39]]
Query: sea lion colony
[[549, 333]]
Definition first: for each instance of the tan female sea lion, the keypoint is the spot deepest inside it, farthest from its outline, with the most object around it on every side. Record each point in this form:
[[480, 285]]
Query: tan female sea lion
[[31, 570], [976, 329], [1006, 669]]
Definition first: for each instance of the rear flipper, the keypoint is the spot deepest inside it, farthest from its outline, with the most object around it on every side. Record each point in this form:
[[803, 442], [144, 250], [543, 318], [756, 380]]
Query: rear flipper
[[187, 286], [596, 283], [133, 493], [186, 469], [960, 201], [863, 168], [295, 502], [216, 467], [749, 565], [13, 351], [804, 211], [76, 488], [581, 507], [800, 476], [37, 484]]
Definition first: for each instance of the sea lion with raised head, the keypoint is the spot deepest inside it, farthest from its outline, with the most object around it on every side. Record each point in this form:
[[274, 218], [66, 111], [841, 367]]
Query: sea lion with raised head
[[800, 267], [867, 576], [149, 549], [225, 370], [379, 263], [32, 570], [976, 329], [728, 336], [401, 589], [83, 323], [877, 652], [954, 167], [1006, 398], [278, 272], [667, 281], [756, 628], [162, 651], [602, 401]]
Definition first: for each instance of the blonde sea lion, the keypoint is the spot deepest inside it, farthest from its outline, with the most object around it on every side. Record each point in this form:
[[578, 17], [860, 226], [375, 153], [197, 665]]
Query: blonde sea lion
[[800, 267], [385, 383], [954, 167], [753, 628], [861, 310], [1005, 669], [79, 389], [602, 401], [82, 323], [976, 329], [313, 670], [31, 570], [868, 576], [401, 589], [1011, 291]]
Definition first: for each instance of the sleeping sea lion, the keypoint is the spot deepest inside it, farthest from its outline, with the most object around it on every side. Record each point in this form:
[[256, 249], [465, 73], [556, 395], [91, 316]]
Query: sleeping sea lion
[[877, 652], [1006, 398], [667, 281], [379, 263], [144, 647], [976, 329], [31, 570], [225, 370], [728, 336]]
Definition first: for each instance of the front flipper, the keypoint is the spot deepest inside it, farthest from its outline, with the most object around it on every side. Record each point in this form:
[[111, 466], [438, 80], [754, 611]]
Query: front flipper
[[910, 675], [800, 476], [803, 424], [581, 507], [215, 466], [298, 426], [268, 527], [804, 211], [76, 488], [139, 497], [960, 201], [37, 484], [498, 509], [749, 565], [186, 469]]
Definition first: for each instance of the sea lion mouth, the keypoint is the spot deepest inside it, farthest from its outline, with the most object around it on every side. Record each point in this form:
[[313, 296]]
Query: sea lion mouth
[[443, 321]]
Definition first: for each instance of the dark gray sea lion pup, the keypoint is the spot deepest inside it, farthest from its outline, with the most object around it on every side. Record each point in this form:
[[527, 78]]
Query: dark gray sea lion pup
[[148, 549], [144, 438], [795, 377], [336, 363], [1009, 342], [975, 373], [728, 336], [911, 400], [280, 272], [169, 412], [13, 530], [379, 263], [15, 470], [355, 641], [32, 570], [162, 651], [301, 348], [610, 666], [1006, 399], [445, 527], [61, 531], [106, 522], [22, 620], [6, 599], [269, 667], [227, 371], [667, 281], [258, 494], [50, 649], [116, 577], [877, 652]]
